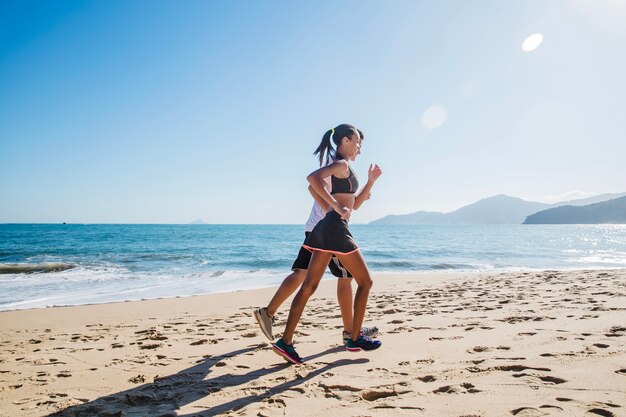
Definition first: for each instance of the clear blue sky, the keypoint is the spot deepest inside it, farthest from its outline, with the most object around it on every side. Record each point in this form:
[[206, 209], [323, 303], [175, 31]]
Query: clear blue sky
[[167, 112]]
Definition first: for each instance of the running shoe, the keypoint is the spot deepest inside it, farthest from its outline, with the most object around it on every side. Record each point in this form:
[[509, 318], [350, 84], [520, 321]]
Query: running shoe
[[287, 352], [362, 343], [265, 322], [365, 331]]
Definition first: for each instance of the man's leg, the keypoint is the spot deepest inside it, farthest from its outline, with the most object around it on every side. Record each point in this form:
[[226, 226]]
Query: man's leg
[[289, 285], [344, 297]]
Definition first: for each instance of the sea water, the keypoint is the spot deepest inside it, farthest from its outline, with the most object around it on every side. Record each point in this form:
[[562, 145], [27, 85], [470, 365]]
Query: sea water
[[52, 264]]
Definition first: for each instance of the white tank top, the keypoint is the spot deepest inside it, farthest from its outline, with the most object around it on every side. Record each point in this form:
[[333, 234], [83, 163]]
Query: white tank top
[[317, 213]]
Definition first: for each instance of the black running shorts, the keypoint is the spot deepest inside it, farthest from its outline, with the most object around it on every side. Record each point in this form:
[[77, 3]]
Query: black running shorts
[[304, 257]]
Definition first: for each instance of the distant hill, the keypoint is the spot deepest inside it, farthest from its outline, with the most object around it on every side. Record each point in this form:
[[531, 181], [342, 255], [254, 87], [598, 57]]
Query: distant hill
[[420, 217], [589, 200], [499, 209], [612, 211], [197, 222]]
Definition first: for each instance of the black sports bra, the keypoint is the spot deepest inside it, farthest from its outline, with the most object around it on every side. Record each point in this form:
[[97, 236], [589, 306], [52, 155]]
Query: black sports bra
[[344, 185]]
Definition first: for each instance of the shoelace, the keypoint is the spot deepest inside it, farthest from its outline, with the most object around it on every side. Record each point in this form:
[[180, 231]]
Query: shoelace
[[273, 317], [292, 351], [366, 338]]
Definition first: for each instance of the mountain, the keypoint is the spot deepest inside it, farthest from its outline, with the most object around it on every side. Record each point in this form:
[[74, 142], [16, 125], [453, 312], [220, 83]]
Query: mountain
[[197, 222], [590, 200], [420, 217], [612, 211], [499, 209]]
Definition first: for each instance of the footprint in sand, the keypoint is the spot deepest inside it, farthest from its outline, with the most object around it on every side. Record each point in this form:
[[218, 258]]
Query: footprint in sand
[[337, 391], [480, 349], [551, 406], [199, 342], [600, 412], [385, 391], [549, 379], [616, 331], [139, 379], [527, 412], [465, 388], [150, 346]]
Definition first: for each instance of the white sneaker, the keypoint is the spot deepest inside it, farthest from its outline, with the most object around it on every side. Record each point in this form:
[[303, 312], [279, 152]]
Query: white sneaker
[[365, 331], [265, 322]]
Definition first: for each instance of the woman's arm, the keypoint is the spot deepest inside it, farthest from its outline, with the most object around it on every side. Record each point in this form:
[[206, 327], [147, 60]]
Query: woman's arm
[[372, 175], [316, 180]]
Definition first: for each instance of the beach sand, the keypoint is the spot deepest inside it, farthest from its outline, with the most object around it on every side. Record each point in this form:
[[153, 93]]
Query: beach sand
[[491, 344]]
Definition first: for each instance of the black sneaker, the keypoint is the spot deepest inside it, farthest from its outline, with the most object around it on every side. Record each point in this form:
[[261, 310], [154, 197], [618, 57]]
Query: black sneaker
[[362, 343], [287, 352]]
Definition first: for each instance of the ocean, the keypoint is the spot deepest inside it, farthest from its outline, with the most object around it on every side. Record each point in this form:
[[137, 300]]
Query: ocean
[[56, 265]]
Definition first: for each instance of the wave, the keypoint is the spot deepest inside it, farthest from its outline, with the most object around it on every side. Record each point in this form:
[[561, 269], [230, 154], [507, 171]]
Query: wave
[[394, 264], [417, 266], [257, 263], [451, 266], [39, 267]]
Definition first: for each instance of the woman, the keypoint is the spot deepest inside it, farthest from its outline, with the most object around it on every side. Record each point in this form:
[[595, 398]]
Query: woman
[[265, 315], [332, 237]]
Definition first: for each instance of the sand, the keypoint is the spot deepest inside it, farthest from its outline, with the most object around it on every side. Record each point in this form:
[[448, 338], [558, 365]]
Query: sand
[[499, 344]]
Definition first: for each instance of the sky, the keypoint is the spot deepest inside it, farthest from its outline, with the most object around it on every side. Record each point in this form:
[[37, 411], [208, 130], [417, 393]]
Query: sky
[[169, 112]]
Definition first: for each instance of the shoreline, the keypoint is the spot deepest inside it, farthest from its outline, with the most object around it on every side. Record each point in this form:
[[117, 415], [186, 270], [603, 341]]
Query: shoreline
[[328, 277], [481, 344]]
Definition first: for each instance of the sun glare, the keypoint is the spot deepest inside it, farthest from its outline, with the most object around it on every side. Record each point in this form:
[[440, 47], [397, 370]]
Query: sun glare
[[532, 42], [434, 117]]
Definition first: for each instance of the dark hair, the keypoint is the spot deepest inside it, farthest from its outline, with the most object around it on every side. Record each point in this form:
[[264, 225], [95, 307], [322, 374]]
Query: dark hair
[[326, 150]]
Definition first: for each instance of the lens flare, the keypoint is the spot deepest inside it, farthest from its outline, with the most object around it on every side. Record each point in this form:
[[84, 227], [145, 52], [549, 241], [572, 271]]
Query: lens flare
[[434, 117], [532, 42]]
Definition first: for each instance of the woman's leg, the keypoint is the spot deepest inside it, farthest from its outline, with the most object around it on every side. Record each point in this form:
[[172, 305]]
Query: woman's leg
[[344, 297], [319, 262], [355, 263]]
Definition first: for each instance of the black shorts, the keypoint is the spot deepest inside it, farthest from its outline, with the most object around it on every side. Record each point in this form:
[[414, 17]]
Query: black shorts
[[332, 235], [304, 257]]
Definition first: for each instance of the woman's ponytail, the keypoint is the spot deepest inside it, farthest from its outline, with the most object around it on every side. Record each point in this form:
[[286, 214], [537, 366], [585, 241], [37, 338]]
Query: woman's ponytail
[[326, 150], [325, 147]]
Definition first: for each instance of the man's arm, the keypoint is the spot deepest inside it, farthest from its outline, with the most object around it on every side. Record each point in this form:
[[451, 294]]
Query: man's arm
[[318, 199]]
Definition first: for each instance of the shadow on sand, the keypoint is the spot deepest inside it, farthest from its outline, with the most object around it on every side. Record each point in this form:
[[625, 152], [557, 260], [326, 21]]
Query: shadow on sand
[[167, 394]]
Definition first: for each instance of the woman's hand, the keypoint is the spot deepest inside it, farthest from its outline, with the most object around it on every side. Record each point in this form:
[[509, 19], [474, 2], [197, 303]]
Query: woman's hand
[[374, 173], [344, 212]]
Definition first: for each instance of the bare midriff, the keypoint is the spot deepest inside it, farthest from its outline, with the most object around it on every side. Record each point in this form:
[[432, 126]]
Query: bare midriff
[[344, 199]]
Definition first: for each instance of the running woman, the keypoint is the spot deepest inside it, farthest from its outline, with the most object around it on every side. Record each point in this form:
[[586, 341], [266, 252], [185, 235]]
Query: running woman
[[331, 236], [265, 316]]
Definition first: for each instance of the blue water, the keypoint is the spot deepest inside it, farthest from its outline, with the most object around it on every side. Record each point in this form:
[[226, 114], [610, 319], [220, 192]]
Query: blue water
[[51, 265]]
